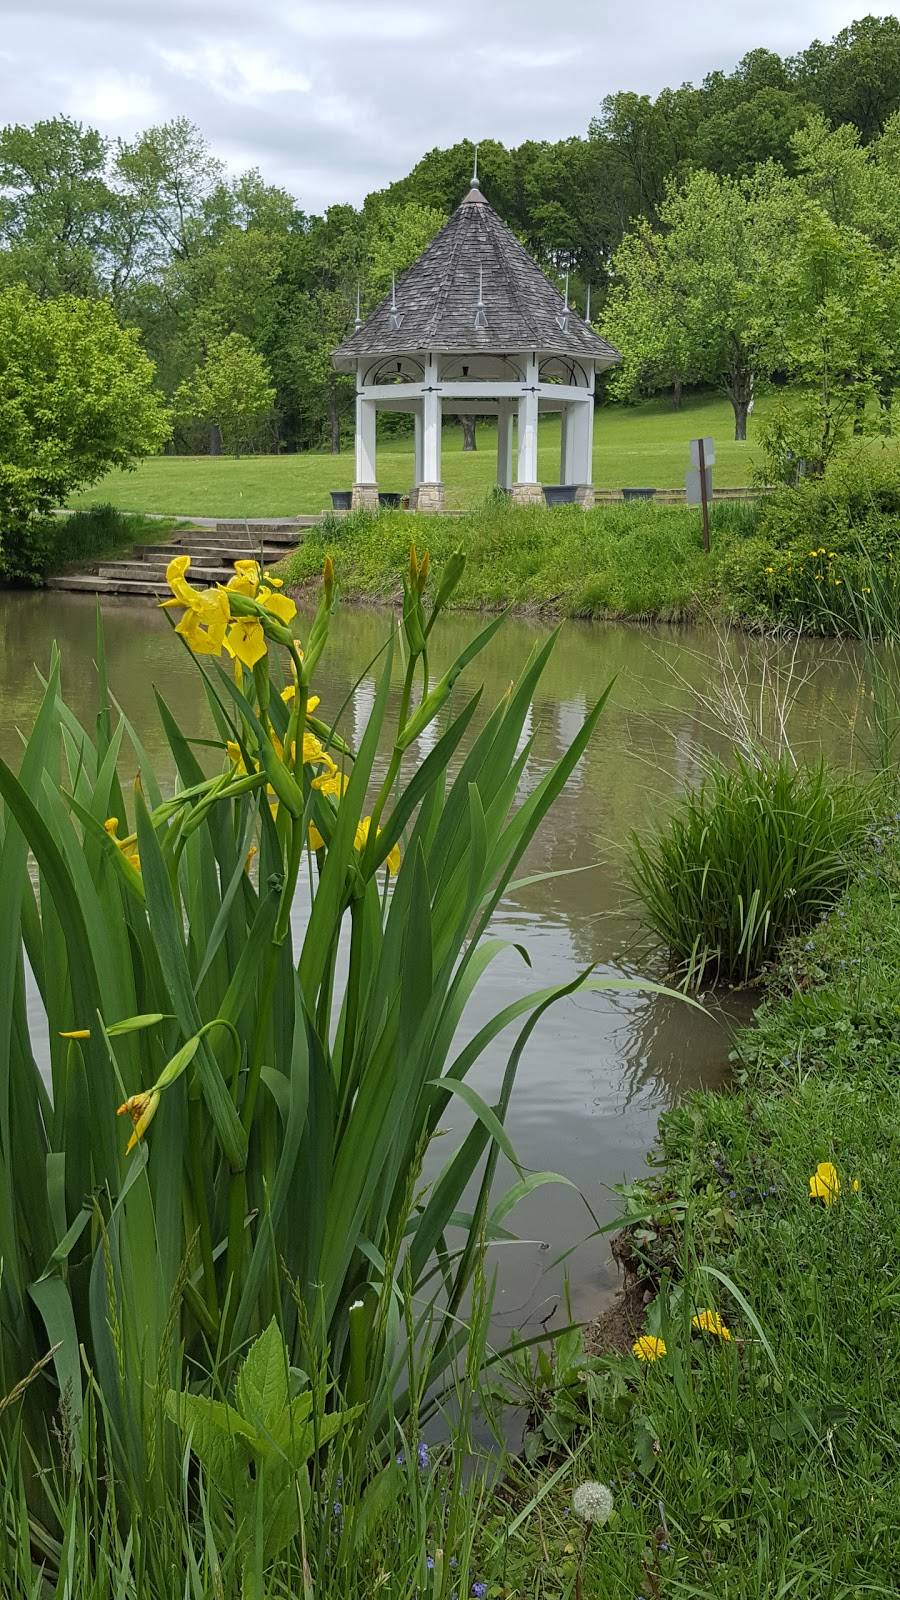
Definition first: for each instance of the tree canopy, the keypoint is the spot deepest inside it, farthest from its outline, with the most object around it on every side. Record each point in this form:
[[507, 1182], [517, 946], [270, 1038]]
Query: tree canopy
[[188, 256]]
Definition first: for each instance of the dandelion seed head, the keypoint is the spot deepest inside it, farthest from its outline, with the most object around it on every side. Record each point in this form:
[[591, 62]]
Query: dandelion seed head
[[593, 1502]]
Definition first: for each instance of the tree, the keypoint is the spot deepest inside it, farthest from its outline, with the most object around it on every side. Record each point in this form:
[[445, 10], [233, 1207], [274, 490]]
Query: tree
[[685, 301], [55, 206], [231, 390], [77, 397]]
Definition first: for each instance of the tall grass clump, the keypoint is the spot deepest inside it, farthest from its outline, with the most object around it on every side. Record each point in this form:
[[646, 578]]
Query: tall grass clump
[[284, 1059], [756, 852]]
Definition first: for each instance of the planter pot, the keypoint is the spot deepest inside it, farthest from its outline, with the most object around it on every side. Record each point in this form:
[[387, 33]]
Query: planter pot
[[638, 494], [559, 494], [341, 499], [390, 502]]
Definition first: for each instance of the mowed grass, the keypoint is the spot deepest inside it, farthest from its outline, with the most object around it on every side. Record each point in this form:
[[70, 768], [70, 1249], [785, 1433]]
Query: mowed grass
[[635, 446]]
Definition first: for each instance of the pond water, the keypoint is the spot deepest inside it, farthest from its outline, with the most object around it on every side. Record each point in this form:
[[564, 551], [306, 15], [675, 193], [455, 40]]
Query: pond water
[[600, 1068]]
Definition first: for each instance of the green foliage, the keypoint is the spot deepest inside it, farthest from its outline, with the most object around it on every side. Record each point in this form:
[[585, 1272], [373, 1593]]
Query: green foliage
[[76, 398], [276, 1161], [636, 560], [231, 390], [822, 548], [756, 853]]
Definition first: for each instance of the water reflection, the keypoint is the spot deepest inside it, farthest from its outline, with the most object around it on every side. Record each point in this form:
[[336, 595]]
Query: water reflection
[[600, 1068]]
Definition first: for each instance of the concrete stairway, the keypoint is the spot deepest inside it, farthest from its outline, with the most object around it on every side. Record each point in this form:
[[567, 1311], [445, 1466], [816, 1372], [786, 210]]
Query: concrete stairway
[[213, 551]]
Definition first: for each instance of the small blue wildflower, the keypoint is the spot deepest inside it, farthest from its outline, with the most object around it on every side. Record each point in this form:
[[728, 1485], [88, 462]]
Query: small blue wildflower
[[337, 1509], [401, 1459], [429, 1562], [663, 1546], [732, 1194], [808, 945], [479, 1590], [453, 1562], [424, 1457]]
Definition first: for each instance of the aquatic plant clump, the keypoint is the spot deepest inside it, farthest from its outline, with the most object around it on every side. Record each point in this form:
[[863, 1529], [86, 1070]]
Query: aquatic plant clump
[[757, 852]]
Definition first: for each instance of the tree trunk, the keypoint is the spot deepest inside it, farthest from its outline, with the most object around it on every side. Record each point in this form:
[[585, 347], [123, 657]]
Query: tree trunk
[[334, 421], [739, 389], [214, 445], [885, 401], [677, 392], [468, 428]]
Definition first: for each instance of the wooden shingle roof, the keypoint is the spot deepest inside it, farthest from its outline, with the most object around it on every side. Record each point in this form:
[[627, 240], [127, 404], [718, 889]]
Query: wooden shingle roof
[[437, 300]]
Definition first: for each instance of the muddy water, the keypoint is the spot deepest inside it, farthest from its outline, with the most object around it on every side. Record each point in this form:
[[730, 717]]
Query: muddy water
[[600, 1068]]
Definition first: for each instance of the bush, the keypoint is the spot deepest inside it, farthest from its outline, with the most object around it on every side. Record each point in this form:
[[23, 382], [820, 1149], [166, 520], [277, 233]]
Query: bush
[[754, 854], [819, 546], [43, 545]]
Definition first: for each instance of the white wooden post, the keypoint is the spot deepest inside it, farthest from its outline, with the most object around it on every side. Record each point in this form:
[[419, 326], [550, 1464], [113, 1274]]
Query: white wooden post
[[567, 437], [418, 447], [527, 490], [581, 428], [504, 447], [430, 494], [365, 487]]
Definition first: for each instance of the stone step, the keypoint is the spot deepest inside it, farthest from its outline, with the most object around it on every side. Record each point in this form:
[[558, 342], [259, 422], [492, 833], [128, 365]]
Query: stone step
[[214, 553], [155, 572], [286, 529], [87, 584]]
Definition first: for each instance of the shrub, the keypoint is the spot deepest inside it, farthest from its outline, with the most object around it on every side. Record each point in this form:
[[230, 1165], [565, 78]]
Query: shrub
[[755, 853], [820, 546]]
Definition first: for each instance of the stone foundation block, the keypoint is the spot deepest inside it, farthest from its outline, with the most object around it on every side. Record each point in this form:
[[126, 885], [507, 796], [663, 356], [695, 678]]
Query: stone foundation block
[[428, 497], [527, 494], [364, 497], [585, 497]]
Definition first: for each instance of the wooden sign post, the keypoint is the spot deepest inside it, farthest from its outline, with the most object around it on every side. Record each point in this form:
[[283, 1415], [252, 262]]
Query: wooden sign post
[[698, 480]]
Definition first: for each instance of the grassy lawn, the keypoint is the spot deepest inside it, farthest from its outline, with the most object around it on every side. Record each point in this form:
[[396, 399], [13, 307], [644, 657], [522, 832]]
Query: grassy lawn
[[635, 446]]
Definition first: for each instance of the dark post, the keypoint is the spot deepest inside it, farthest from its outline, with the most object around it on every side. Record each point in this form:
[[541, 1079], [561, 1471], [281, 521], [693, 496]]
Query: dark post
[[704, 503]]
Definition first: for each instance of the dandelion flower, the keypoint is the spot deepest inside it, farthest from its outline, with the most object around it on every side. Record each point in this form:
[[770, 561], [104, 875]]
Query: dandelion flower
[[649, 1348], [711, 1322], [825, 1185], [856, 1186], [593, 1502]]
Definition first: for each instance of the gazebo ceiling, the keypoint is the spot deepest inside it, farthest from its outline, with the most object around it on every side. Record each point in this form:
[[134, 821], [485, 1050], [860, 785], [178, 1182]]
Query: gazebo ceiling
[[474, 290]]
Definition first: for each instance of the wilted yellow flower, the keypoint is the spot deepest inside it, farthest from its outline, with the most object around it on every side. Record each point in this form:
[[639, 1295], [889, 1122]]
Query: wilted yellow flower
[[711, 1322], [246, 641], [127, 846], [76, 1033], [825, 1185], [649, 1348], [141, 1108]]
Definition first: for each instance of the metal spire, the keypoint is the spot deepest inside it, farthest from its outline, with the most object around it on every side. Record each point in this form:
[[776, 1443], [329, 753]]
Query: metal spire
[[562, 320], [396, 316], [475, 183], [480, 313], [587, 305], [358, 322]]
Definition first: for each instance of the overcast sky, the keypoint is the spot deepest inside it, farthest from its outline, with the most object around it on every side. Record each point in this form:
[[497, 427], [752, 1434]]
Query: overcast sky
[[336, 97]]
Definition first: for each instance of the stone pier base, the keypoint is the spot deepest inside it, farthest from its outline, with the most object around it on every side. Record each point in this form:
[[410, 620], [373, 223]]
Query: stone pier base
[[527, 494], [364, 497], [584, 496], [427, 497]]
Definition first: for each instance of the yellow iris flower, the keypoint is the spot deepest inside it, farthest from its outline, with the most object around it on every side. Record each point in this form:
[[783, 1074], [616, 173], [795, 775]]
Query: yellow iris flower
[[127, 846], [245, 641], [141, 1108], [825, 1185], [359, 843]]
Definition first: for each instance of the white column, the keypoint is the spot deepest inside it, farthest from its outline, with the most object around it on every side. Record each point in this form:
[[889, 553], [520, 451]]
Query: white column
[[567, 435], [504, 446], [528, 425], [365, 440], [581, 429], [418, 446], [431, 425]]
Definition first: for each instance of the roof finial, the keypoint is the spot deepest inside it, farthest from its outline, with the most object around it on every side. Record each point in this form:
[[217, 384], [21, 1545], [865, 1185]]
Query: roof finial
[[396, 316], [587, 305], [480, 313], [475, 183], [358, 322], [562, 320]]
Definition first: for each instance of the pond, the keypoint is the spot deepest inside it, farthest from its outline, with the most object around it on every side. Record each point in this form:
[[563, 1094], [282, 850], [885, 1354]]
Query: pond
[[601, 1068]]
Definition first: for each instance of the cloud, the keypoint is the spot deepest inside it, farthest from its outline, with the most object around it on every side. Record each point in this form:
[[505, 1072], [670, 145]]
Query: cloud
[[333, 98]]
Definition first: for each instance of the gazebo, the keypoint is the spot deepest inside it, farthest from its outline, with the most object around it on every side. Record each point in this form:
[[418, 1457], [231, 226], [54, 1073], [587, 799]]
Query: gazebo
[[475, 327]]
